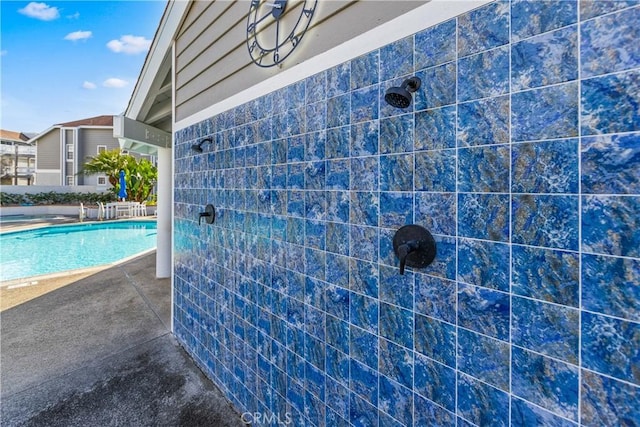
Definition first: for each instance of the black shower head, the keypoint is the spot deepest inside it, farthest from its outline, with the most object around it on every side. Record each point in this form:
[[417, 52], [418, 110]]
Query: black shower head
[[198, 147], [400, 97]]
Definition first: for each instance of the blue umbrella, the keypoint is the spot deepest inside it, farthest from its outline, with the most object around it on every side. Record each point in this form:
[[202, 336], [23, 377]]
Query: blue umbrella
[[123, 187]]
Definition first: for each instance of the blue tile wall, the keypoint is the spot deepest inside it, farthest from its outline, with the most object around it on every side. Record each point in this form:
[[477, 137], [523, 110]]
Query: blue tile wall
[[521, 153]]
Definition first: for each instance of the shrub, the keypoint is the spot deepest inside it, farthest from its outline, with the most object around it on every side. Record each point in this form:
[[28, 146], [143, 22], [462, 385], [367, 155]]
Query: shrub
[[53, 198]]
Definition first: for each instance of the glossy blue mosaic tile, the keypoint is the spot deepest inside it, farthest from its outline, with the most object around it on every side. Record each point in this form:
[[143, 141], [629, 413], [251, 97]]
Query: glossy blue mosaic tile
[[484, 358], [609, 286], [546, 274], [545, 328], [435, 129], [610, 225], [593, 8], [396, 59], [484, 169], [545, 59], [434, 170], [482, 404], [435, 45], [531, 17], [365, 70], [292, 301], [545, 167], [611, 164], [613, 37], [609, 103], [483, 75], [396, 134], [483, 216], [396, 400], [525, 414], [435, 381], [436, 339], [436, 212], [601, 333], [483, 28], [438, 87], [364, 138], [484, 310], [483, 122], [533, 227], [538, 379], [545, 113], [396, 363], [483, 263], [606, 401]]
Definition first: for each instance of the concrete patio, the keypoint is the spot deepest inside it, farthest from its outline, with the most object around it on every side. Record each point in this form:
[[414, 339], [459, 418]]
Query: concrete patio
[[99, 351]]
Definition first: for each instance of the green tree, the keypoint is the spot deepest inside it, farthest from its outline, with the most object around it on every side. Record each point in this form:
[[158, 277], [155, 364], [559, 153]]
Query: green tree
[[140, 175]]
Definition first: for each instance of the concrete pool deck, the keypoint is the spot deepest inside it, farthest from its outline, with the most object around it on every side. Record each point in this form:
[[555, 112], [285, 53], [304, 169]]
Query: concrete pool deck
[[99, 351]]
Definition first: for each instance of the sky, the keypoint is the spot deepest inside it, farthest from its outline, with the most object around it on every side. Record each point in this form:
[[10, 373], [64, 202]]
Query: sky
[[62, 61]]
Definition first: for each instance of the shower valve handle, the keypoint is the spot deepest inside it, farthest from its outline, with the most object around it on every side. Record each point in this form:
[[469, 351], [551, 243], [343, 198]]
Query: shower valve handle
[[209, 214], [414, 246]]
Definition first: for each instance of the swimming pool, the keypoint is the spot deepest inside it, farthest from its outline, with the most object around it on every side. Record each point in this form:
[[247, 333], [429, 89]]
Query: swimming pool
[[68, 247]]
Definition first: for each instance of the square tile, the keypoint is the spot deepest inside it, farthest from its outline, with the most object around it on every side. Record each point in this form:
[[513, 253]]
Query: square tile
[[482, 404], [483, 28], [484, 310], [484, 169], [546, 328], [546, 59], [621, 335], [609, 103], [435, 45], [609, 286], [546, 113], [546, 220], [483, 122], [435, 129], [611, 164], [606, 401], [546, 274], [545, 167], [436, 340], [482, 263], [365, 70], [546, 382], [483, 216], [483, 75], [610, 225], [531, 17]]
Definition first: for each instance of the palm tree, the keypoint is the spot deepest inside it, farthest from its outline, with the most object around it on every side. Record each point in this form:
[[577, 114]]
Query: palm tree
[[140, 175], [109, 163]]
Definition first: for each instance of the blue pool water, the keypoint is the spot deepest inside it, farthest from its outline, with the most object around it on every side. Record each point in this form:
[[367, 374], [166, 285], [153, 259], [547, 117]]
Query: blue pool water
[[68, 247]]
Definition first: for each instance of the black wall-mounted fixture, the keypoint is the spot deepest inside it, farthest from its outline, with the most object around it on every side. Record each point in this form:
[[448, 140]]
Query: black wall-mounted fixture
[[198, 147], [209, 214], [414, 246], [400, 97]]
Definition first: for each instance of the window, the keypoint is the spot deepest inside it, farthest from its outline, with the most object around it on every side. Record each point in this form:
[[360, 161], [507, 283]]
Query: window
[[70, 180], [102, 148], [102, 180], [69, 152]]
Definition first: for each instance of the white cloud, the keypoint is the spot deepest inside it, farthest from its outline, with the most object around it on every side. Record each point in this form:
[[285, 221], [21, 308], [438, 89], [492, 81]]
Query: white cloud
[[74, 16], [129, 44], [41, 11], [114, 82], [78, 35], [89, 85]]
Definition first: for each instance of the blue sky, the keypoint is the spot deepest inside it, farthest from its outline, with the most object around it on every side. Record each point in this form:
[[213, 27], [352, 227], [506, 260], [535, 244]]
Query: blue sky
[[68, 60]]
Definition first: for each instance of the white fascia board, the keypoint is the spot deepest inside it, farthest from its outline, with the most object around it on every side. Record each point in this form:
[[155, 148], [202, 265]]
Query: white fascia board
[[162, 44], [425, 16]]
